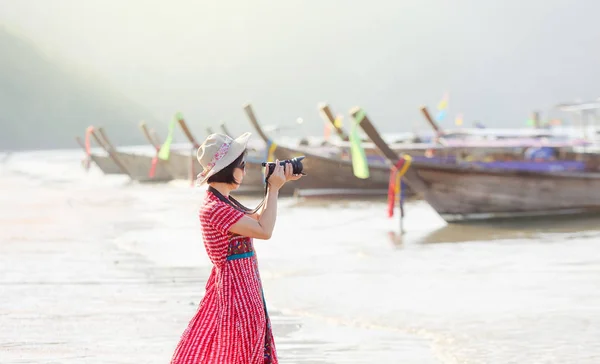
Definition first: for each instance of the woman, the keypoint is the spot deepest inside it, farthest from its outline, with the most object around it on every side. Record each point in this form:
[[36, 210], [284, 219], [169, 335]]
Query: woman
[[231, 325]]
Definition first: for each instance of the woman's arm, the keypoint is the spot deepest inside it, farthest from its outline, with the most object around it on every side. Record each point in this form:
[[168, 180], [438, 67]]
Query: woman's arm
[[261, 224]]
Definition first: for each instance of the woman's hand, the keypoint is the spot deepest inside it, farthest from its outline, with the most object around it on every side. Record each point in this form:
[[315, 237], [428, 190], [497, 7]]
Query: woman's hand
[[282, 174], [289, 173], [278, 178]]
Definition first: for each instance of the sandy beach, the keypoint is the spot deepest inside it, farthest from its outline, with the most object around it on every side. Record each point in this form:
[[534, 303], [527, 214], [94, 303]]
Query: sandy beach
[[75, 289], [94, 269]]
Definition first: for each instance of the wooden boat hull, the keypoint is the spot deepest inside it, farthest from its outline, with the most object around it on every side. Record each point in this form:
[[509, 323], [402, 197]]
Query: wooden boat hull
[[138, 167], [498, 190], [328, 173], [106, 164], [179, 166], [462, 193]]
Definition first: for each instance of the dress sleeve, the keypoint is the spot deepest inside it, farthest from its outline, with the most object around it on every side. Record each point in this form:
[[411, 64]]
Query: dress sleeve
[[224, 216]]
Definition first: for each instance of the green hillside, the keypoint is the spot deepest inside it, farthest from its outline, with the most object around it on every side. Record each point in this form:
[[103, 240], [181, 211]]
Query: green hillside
[[44, 105]]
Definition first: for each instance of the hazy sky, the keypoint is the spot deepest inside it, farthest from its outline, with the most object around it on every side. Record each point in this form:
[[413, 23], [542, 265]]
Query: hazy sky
[[497, 59]]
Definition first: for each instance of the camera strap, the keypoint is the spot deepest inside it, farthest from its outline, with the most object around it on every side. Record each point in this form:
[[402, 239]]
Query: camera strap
[[235, 203]]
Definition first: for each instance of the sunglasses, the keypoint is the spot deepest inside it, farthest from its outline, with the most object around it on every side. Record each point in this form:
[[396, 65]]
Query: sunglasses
[[242, 165]]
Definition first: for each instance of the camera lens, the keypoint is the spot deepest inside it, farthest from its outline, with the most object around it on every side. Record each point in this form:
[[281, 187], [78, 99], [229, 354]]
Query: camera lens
[[296, 162]]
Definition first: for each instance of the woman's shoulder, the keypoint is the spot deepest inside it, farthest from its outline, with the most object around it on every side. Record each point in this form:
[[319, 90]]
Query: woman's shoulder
[[219, 215], [209, 206], [215, 209]]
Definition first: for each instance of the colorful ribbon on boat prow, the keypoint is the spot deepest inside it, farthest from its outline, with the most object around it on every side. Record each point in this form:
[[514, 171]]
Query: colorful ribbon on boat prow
[[165, 150], [88, 143], [270, 157], [337, 122], [442, 108], [192, 168], [360, 166], [88, 148], [153, 167], [396, 174], [271, 146]]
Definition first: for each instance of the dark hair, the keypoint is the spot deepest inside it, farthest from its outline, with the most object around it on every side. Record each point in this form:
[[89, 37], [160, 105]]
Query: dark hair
[[226, 174]]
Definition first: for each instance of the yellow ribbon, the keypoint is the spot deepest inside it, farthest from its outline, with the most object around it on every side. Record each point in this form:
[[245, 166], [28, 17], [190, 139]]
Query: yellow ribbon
[[338, 122], [402, 171], [270, 155]]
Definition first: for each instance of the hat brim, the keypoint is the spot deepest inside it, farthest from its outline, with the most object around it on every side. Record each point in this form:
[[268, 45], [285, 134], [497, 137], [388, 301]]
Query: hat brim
[[236, 148]]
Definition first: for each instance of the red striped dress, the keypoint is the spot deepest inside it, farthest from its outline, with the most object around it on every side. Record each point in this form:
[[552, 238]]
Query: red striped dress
[[231, 325]]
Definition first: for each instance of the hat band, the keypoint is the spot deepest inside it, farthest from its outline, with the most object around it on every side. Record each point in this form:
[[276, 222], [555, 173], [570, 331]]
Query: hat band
[[220, 153]]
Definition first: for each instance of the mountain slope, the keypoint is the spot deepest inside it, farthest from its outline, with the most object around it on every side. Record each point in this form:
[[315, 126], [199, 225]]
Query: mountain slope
[[43, 104]]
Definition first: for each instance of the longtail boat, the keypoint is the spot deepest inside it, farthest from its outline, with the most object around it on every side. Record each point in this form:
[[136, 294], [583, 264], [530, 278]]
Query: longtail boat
[[177, 165], [461, 192], [449, 149], [331, 175], [137, 166], [104, 162], [457, 144], [110, 151]]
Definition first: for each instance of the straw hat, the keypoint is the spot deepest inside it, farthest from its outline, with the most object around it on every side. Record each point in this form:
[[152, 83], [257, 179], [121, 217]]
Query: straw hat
[[217, 152]]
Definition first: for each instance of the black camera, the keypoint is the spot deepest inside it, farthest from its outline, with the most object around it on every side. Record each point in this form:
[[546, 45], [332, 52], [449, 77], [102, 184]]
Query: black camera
[[296, 166]]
